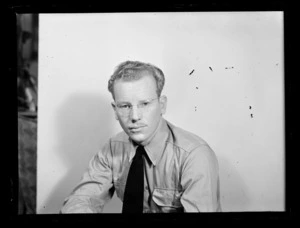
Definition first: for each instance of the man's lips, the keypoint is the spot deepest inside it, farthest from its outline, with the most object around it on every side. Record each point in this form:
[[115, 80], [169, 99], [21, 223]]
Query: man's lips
[[136, 128]]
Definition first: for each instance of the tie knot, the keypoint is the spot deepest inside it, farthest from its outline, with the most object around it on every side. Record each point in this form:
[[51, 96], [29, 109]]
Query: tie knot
[[140, 151]]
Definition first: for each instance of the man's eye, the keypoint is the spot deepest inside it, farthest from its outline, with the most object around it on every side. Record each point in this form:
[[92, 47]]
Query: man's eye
[[125, 106], [145, 104]]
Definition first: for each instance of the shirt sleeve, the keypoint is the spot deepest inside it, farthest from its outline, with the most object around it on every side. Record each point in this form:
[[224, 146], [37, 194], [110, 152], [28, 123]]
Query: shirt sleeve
[[200, 181], [95, 187]]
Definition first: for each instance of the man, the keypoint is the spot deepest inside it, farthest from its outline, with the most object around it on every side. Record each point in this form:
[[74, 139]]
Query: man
[[153, 165]]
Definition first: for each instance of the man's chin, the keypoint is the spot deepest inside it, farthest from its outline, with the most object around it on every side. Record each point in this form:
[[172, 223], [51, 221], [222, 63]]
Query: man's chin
[[138, 138]]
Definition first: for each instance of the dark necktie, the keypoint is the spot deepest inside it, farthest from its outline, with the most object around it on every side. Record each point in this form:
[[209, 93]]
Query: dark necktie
[[134, 190]]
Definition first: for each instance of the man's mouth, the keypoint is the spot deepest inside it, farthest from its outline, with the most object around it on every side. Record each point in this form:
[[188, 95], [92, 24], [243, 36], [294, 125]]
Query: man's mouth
[[136, 129]]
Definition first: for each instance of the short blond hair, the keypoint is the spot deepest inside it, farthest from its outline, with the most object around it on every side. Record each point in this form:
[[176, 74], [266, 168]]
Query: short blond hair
[[129, 70]]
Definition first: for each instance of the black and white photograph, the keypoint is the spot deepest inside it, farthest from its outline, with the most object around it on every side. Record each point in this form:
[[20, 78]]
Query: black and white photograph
[[151, 112]]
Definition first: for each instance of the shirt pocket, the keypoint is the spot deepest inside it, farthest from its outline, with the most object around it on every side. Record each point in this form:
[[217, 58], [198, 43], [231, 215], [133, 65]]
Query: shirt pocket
[[167, 200]]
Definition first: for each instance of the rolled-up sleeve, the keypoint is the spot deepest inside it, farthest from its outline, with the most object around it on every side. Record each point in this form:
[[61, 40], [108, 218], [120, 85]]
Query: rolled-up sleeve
[[95, 187], [200, 181]]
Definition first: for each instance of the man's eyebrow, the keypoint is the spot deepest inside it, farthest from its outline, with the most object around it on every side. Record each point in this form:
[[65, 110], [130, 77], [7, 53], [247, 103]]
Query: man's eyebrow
[[140, 101], [145, 100], [123, 102]]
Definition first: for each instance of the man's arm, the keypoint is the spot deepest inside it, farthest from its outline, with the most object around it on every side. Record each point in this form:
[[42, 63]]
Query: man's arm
[[200, 181], [95, 187]]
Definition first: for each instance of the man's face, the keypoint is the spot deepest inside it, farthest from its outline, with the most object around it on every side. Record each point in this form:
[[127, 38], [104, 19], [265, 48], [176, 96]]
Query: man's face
[[144, 109]]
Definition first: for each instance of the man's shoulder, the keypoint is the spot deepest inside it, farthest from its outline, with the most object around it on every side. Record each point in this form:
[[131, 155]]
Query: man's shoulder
[[184, 139]]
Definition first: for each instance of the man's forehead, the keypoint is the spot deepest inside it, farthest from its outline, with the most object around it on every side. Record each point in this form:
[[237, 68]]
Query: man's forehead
[[135, 91]]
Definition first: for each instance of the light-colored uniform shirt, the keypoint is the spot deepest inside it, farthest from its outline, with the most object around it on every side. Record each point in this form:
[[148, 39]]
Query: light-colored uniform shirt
[[181, 174]]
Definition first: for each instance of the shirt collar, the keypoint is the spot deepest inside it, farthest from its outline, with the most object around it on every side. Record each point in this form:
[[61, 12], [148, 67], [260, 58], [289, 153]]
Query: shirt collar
[[156, 146]]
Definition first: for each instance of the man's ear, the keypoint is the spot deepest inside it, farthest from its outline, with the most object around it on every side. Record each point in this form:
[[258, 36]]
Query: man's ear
[[163, 100], [115, 111]]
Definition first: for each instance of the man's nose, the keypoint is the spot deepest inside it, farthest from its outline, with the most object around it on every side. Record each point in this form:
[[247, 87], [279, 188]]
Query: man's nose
[[135, 114]]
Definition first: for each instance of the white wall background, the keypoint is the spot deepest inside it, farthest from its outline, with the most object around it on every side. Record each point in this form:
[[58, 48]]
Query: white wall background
[[77, 55]]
